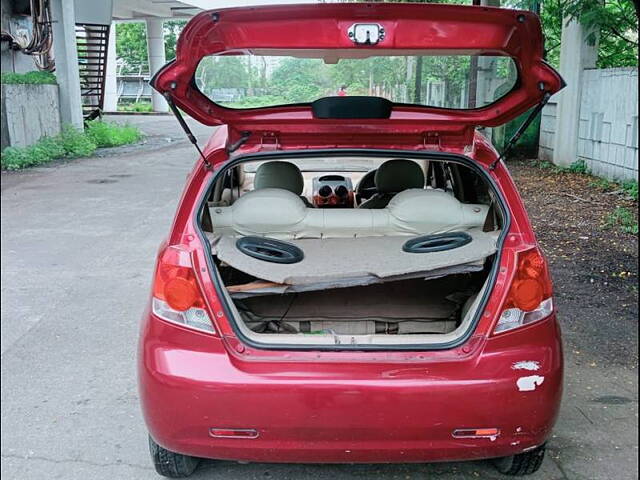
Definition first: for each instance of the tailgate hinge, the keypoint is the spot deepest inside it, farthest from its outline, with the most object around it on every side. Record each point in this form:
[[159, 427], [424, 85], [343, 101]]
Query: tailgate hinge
[[431, 140], [269, 141]]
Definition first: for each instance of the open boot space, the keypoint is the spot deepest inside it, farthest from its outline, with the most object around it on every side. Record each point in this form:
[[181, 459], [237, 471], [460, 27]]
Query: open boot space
[[401, 307], [402, 258]]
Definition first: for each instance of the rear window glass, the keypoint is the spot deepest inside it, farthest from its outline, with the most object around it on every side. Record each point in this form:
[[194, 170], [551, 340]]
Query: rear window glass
[[446, 81]]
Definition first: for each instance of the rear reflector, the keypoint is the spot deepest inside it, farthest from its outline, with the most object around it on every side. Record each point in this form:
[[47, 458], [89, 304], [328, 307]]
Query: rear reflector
[[513, 317], [476, 433], [195, 318], [233, 433]]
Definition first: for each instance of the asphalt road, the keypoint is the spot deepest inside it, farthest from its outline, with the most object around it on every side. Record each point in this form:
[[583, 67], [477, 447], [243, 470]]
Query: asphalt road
[[78, 247]]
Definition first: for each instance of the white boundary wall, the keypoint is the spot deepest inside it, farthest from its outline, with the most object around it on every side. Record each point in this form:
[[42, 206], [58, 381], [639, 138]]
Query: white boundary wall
[[608, 132], [29, 112], [548, 131]]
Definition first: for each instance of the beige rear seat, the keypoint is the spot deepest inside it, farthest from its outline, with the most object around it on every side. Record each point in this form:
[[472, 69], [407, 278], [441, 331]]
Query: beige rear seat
[[280, 213]]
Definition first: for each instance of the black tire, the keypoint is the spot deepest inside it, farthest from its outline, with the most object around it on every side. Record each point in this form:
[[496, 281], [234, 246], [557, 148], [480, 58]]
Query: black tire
[[521, 464], [171, 464]]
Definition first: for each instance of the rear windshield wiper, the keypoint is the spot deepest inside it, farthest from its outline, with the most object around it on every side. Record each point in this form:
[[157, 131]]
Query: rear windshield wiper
[[516, 136]]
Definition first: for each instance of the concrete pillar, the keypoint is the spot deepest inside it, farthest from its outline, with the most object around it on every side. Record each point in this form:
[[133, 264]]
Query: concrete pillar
[[155, 49], [66, 56], [485, 86], [575, 56], [487, 80], [111, 82], [487, 73]]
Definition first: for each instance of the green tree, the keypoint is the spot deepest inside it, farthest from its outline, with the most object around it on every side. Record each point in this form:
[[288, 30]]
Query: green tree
[[223, 72], [360, 75], [172, 30], [131, 46], [131, 43], [616, 22], [300, 80]]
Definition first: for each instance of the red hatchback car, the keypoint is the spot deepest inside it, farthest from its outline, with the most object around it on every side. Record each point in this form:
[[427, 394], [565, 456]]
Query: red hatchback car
[[351, 275]]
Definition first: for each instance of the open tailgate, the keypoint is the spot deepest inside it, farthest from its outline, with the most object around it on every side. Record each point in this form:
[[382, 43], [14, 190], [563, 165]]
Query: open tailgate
[[426, 28]]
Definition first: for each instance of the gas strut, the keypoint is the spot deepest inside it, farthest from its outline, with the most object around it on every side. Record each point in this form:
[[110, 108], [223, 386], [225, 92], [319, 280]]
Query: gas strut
[[185, 127], [516, 136]]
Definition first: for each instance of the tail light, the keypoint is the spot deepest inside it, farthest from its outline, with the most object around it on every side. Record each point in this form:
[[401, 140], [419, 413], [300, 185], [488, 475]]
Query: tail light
[[177, 297], [530, 296]]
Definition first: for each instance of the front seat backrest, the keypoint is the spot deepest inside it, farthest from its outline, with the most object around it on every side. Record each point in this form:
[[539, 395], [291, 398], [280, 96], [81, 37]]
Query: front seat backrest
[[279, 174], [392, 177], [283, 175]]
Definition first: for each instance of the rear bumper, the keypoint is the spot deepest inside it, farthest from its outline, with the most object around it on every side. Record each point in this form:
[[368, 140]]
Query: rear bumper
[[372, 412]]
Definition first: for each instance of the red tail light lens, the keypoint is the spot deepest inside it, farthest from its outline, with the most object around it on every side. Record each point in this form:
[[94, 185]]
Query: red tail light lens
[[530, 296], [526, 294], [181, 293], [176, 294]]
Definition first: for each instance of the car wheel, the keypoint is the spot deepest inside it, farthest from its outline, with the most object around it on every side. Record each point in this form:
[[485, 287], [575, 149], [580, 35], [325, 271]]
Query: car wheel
[[521, 464], [171, 464]]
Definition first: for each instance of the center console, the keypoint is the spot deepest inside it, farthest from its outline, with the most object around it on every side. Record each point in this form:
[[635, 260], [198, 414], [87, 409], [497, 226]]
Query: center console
[[332, 191]]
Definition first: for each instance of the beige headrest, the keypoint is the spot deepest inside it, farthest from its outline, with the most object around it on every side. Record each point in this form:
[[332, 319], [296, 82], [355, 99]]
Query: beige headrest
[[278, 174]]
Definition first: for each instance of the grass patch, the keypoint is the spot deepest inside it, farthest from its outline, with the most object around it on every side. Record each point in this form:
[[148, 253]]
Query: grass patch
[[630, 187], [75, 143], [623, 218], [137, 107], [107, 134], [601, 184], [579, 166], [255, 102], [71, 143], [29, 78], [545, 165]]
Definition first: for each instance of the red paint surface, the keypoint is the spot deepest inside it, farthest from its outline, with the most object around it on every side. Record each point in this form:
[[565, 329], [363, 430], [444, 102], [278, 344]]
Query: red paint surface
[[350, 406], [347, 407], [444, 29]]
